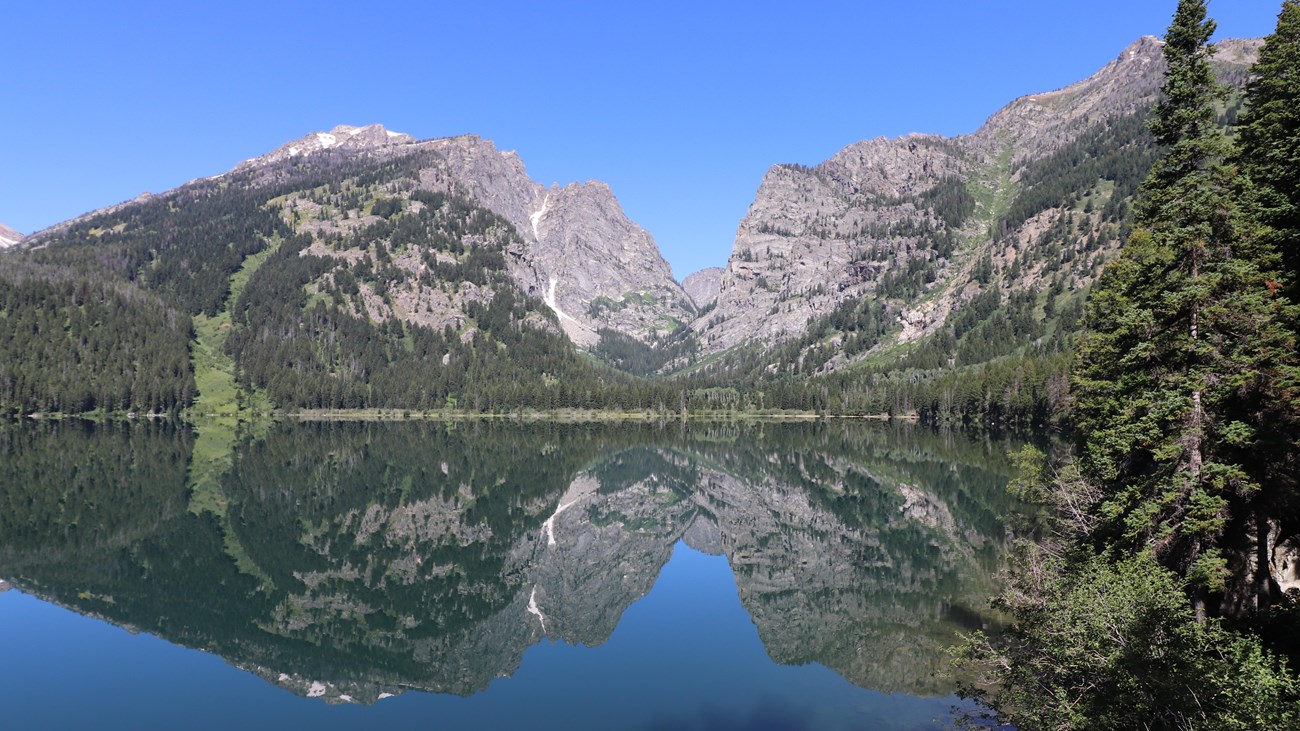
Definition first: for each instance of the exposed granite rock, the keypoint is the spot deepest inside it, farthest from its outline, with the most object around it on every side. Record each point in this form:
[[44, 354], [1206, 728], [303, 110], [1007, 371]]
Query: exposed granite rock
[[703, 535], [816, 236], [702, 286], [342, 137], [9, 237], [601, 269], [582, 256], [1038, 123], [591, 264]]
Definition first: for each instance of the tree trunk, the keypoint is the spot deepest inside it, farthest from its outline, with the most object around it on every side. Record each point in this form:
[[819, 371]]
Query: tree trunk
[[1196, 436], [1263, 562], [1196, 432]]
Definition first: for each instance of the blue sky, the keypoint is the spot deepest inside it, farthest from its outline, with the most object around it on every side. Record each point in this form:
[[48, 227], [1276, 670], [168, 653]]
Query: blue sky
[[679, 106]]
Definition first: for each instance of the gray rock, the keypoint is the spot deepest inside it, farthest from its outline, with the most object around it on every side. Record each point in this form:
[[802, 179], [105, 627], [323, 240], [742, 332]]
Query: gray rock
[[9, 237], [342, 137], [702, 286], [585, 258]]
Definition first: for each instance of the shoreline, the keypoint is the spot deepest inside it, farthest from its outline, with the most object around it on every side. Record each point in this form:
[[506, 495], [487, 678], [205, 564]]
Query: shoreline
[[558, 416]]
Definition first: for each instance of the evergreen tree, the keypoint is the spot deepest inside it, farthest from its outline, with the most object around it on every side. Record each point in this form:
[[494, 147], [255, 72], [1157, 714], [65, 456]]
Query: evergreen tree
[[1183, 340], [1269, 141], [1268, 156]]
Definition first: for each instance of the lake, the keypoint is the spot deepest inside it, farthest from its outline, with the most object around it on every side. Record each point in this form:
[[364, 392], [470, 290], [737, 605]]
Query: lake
[[482, 575]]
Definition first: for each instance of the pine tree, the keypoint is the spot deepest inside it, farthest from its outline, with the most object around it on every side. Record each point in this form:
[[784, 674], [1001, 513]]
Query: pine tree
[[1269, 142], [1175, 367], [1268, 156]]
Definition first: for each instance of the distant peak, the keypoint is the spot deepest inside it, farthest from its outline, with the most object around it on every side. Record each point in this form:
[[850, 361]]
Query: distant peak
[[9, 237], [343, 137], [1144, 46], [703, 286], [1238, 51], [369, 133]]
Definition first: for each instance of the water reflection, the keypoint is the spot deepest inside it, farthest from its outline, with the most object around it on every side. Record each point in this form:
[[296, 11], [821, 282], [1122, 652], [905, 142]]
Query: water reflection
[[352, 562]]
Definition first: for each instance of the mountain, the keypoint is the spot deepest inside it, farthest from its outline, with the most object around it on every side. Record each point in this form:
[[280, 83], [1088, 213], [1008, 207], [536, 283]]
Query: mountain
[[354, 268], [901, 242], [702, 286], [592, 265], [9, 237], [580, 254]]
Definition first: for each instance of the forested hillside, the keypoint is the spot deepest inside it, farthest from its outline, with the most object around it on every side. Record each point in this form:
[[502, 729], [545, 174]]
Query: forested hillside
[[74, 341], [357, 289], [1161, 590]]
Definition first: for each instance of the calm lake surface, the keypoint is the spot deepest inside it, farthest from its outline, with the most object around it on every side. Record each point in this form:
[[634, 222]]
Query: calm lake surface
[[492, 576]]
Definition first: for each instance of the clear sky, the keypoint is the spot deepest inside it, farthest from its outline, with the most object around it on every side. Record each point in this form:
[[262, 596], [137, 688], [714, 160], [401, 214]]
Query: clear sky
[[679, 106]]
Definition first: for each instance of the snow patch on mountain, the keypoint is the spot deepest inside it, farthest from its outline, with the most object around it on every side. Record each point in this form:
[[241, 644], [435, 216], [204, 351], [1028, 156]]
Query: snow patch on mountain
[[342, 137], [9, 237]]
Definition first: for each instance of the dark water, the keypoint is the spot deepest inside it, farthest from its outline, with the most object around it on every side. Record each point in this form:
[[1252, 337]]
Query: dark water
[[479, 576]]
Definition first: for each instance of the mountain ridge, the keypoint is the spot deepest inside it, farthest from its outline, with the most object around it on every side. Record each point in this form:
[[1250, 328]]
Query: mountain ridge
[[912, 222], [343, 136], [583, 257]]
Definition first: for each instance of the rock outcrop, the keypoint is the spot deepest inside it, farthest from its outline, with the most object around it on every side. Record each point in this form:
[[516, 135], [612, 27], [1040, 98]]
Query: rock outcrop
[[702, 286], [592, 265], [9, 237], [342, 137]]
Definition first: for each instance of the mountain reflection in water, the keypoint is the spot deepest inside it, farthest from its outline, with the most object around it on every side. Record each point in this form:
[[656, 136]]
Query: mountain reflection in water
[[353, 562]]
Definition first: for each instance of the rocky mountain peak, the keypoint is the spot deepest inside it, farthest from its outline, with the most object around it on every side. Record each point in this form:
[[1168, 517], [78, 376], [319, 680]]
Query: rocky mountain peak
[[586, 259], [9, 237], [342, 137], [497, 179], [599, 269], [702, 286], [1037, 123]]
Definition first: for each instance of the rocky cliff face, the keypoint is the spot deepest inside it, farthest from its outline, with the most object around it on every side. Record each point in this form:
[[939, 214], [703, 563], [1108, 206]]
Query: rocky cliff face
[[925, 223], [591, 264], [9, 237], [817, 236], [581, 255], [702, 286]]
